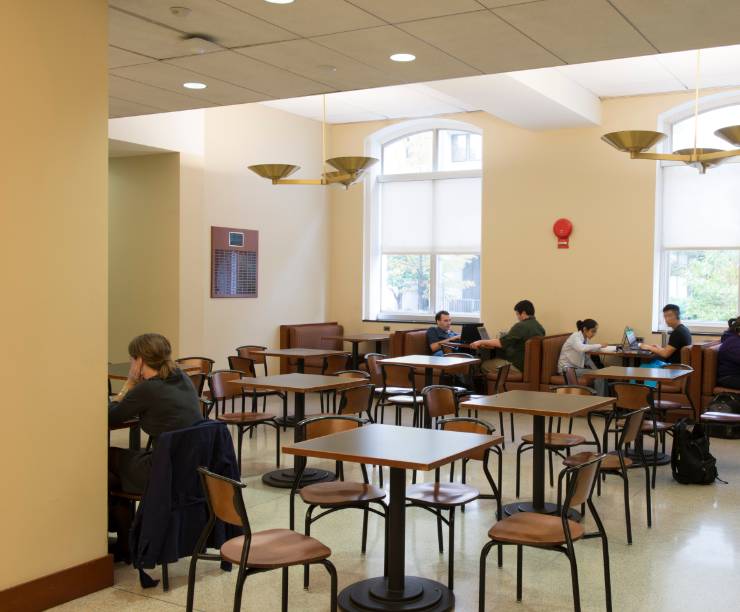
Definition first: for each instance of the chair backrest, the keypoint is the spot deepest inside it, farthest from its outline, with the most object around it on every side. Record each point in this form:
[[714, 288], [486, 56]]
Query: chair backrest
[[631, 396], [219, 382], [551, 347], [465, 368], [680, 366], [502, 374], [356, 400], [573, 390], [316, 427], [198, 380], [257, 358], [224, 498], [469, 425], [242, 364], [396, 375], [204, 363], [569, 374], [632, 426], [335, 363], [439, 400], [373, 367], [360, 374], [581, 482]]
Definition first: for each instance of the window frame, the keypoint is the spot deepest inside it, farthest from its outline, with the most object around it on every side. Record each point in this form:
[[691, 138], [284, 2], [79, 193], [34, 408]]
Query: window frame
[[666, 121], [372, 247]]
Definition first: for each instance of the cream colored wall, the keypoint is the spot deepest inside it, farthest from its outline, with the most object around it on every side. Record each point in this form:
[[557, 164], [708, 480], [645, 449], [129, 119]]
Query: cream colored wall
[[53, 245], [530, 179], [144, 239]]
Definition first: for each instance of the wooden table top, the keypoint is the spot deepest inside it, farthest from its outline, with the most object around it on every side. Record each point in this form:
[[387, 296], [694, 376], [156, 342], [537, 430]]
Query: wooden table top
[[431, 361], [540, 403], [300, 353], [361, 337], [411, 448], [119, 371], [631, 353], [300, 383], [620, 373]]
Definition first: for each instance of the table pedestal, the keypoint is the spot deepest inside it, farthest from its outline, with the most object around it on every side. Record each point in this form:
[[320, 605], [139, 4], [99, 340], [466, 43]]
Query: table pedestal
[[397, 592]]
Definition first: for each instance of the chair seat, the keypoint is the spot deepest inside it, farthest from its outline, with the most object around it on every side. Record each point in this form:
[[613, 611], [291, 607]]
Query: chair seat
[[340, 492], [610, 462], [405, 400], [392, 390], [668, 405], [441, 494], [557, 440], [515, 376], [276, 548], [671, 387], [647, 426], [532, 528], [245, 418], [725, 418]]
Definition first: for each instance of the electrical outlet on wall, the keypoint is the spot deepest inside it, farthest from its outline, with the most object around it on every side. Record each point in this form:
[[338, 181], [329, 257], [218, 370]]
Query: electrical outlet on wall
[[386, 328]]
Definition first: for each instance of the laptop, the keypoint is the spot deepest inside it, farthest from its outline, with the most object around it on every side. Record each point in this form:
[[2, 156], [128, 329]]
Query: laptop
[[630, 341], [483, 333], [470, 333]]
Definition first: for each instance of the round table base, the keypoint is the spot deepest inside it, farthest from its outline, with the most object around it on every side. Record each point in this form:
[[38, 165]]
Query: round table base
[[663, 458], [283, 479], [528, 506], [419, 595]]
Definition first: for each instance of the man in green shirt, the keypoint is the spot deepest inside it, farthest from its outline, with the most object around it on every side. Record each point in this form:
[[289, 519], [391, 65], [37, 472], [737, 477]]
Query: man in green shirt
[[511, 344]]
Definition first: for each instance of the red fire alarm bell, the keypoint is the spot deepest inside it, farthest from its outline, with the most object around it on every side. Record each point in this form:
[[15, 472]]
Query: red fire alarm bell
[[562, 230]]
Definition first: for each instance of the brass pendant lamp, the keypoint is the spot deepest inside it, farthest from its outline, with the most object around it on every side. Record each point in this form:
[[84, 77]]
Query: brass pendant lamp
[[637, 142], [347, 170]]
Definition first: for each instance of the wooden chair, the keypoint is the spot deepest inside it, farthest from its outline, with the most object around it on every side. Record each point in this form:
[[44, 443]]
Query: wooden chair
[[354, 374], [356, 400], [399, 390], [502, 373], [663, 405], [466, 372], [254, 552], [203, 363], [206, 403], [338, 494], [257, 358], [615, 463], [247, 365], [555, 441], [223, 389], [552, 532]]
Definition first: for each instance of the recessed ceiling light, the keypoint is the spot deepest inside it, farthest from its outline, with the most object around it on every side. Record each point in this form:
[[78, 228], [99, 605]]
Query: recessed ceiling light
[[279, 1], [194, 85], [403, 57]]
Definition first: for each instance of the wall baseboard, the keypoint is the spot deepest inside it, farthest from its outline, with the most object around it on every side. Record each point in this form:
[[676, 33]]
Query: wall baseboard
[[60, 587]]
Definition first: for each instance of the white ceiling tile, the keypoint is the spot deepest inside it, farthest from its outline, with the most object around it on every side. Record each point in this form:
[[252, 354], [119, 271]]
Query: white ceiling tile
[[577, 30], [251, 74], [482, 40], [140, 93], [119, 57], [376, 45], [310, 17], [674, 25], [394, 11], [167, 76], [315, 61], [229, 26], [125, 108], [141, 36]]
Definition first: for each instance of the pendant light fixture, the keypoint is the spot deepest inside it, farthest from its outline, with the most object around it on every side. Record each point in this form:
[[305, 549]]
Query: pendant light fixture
[[637, 142], [347, 170]]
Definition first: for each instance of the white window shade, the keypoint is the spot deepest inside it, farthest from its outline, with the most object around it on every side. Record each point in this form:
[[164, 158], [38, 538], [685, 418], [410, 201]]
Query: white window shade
[[701, 210], [439, 216]]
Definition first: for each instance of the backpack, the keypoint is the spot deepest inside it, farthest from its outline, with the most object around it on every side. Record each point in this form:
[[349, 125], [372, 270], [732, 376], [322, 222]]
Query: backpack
[[691, 461], [724, 402]]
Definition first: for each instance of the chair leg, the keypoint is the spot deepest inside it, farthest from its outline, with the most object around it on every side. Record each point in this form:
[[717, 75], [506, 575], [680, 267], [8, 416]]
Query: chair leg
[[307, 531], [191, 582], [627, 515], [648, 501], [549, 461], [333, 589], [451, 549], [165, 578], [501, 427], [518, 467], [277, 445], [285, 412], [655, 457], [365, 515], [482, 576], [240, 437], [574, 577], [607, 573], [439, 531], [240, 579], [511, 423], [519, 554], [284, 597]]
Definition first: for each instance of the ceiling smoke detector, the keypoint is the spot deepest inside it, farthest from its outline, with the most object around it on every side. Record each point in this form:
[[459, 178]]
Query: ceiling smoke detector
[[180, 11]]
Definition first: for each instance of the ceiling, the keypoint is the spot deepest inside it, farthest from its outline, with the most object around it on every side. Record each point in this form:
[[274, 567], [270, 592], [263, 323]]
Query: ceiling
[[251, 50]]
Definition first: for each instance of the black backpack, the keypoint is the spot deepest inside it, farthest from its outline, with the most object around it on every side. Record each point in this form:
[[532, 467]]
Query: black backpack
[[691, 461]]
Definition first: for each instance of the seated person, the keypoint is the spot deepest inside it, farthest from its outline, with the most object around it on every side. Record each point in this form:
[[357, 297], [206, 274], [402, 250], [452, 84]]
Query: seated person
[[728, 356], [575, 352], [512, 343], [440, 333], [680, 337], [164, 399]]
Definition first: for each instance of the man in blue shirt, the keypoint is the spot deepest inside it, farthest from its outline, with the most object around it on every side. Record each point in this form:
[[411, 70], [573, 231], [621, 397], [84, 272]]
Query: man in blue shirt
[[441, 333]]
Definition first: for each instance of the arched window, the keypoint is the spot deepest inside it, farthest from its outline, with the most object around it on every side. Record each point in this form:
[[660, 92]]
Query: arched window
[[697, 229], [423, 221]]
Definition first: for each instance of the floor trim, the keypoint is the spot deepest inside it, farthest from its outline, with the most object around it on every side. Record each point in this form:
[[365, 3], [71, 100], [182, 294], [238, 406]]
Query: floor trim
[[60, 587]]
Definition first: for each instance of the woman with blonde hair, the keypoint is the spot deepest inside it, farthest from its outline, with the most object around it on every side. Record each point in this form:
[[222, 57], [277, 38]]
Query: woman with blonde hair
[[163, 398]]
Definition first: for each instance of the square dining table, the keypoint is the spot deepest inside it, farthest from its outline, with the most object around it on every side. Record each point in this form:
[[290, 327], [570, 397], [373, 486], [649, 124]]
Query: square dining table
[[539, 404], [431, 363], [299, 385], [356, 339], [400, 449]]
